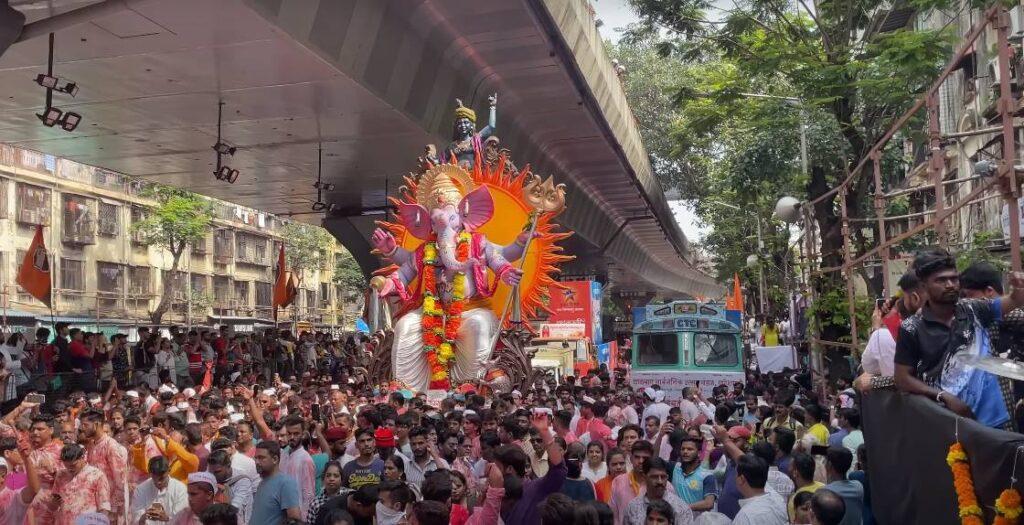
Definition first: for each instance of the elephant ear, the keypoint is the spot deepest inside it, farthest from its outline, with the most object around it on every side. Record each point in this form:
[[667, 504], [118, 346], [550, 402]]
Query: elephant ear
[[476, 208], [416, 219]]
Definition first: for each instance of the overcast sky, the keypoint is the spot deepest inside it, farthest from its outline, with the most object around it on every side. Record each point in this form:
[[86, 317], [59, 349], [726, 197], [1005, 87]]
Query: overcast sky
[[616, 14]]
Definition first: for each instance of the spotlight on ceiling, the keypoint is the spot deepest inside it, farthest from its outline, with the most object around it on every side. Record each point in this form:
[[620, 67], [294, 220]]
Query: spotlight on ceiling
[[326, 186], [70, 121], [47, 81], [50, 116], [226, 174], [224, 149], [70, 88], [319, 206]]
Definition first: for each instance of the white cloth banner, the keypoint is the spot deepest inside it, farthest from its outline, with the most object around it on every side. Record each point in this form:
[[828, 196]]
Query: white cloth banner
[[775, 358]]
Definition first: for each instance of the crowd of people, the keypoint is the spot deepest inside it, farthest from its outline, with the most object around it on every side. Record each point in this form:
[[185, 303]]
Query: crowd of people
[[216, 428], [213, 427]]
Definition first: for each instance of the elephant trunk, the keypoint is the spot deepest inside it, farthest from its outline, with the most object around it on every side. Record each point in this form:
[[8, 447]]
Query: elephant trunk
[[446, 250]]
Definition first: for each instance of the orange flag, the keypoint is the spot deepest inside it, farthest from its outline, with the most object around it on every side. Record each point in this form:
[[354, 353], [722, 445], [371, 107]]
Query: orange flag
[[734, 301], [34, 275], [281, 282]]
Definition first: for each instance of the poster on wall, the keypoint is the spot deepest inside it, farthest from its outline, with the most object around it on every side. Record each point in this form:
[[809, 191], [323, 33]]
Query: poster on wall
[[577, 306]]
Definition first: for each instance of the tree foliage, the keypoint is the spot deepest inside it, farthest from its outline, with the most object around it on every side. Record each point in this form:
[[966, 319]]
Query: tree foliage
[[305, 246], [178, 218], [347, 273], [848, 80]]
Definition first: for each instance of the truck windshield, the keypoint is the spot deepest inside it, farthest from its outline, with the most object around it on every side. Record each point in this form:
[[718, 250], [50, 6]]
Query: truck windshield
[[715, 349], [658, 349]]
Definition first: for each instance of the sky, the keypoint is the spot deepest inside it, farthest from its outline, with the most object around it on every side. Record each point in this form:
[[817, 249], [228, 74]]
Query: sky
[[616, 14]]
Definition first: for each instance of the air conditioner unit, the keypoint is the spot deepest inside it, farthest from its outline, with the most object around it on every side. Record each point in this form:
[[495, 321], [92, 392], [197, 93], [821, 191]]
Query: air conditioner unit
[[1016, 24], [993, 73]]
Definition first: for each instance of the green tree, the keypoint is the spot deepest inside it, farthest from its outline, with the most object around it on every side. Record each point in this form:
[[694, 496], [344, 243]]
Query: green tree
[[849, 77], [178, 218], [347, 273], [305, 246]]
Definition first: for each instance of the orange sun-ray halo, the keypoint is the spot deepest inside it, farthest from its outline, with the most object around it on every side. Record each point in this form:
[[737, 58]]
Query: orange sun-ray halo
[[512, 213]]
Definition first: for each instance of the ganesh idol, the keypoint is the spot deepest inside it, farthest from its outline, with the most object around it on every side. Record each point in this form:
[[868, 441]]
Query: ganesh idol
[[445, 332]]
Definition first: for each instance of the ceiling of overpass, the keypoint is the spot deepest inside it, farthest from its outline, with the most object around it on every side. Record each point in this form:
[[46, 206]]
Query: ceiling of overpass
[[370, 81], [150, 81]]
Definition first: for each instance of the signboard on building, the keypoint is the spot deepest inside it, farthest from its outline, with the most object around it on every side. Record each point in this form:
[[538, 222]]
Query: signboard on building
[[578, 304], [568, 331]]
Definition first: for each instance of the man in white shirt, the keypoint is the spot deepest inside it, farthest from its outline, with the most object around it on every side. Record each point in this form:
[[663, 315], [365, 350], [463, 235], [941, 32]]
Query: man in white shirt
[[656, 478], [239, 485], [757, 507], [657, 407], [159, 497], [424, 457], [239, 462]]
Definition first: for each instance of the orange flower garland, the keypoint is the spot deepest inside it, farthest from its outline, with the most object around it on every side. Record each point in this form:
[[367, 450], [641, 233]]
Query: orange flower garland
[[970, 512], [441, 321], [1008, 504], [1008, 507]]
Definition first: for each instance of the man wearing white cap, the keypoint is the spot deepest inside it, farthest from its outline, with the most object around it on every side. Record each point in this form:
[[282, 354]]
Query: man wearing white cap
[[14, 503], [657, 407], [202, 486]]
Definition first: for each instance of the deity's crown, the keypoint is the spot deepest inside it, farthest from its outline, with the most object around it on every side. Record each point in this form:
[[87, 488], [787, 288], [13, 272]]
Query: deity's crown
[[443, 184], [464, 112]]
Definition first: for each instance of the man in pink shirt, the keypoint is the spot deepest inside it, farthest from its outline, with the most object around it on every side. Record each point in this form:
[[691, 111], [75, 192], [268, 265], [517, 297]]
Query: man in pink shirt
[[106, 454], [626, 487], [298, 464], [563, 418], [14, 503]]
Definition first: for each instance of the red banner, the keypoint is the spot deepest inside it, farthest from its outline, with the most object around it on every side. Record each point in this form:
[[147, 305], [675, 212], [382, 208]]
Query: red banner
[[572, 306]]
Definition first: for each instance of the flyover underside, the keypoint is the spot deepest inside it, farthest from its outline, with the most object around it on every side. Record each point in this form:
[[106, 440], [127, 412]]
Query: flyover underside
[[547, 64], [370, 82]]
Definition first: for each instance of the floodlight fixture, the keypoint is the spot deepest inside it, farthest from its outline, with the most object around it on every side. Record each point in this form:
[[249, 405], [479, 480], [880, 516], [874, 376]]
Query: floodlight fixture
[[224, 149], [70, 121], [325, 186], [70, 88], [47, 81], [50, 116], [319, 206], [226, 174]]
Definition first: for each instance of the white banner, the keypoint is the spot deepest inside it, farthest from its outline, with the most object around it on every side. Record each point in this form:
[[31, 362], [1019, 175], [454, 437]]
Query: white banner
[[673, 381]]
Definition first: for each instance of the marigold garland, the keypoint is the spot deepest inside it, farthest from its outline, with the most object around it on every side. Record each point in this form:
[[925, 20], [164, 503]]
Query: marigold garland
[[1008, 504], [441, 321]]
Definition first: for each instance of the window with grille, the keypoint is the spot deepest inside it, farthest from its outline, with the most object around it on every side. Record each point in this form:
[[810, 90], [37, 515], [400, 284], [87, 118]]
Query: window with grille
[[33, 204], [3, 198], [109, 221], [242, 293], [138, 215], [110, 285], [325, 295], [79, 220], [23, 296], [72, 275], [109, 277], [200, 284], [223, 246], [177, 284], [222, 291], [264, 294], [311, 299], [139, 282], [242, 247], [202, 246], [260, 256]]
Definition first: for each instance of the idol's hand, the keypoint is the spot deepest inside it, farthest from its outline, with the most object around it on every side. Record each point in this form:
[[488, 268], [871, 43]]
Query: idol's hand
[[511, 276], [383, 241]]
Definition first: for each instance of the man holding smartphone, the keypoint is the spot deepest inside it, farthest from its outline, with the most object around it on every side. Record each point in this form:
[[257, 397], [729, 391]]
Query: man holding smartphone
[[159, 497]]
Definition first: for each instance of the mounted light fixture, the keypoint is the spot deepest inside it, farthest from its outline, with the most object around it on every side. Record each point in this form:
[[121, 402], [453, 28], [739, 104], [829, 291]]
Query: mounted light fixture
[[320, 185], [223, 172], [224, 149], [70, 121], [51, 116]]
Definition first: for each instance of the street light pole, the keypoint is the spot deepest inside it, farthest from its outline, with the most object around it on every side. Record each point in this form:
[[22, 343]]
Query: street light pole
[[760, 251]]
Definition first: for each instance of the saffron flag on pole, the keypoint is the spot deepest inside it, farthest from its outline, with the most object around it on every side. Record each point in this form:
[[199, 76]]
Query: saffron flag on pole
[[34, 274], [285, 285], [734, 300]]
